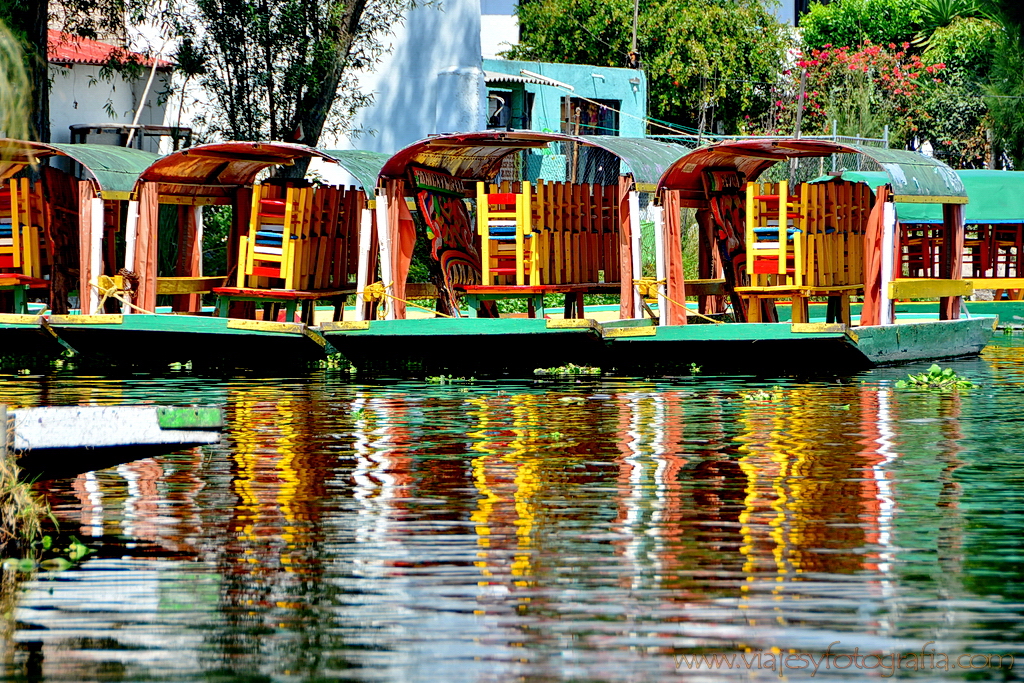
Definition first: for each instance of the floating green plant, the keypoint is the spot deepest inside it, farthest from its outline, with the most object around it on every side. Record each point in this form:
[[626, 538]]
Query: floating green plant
[[936, 379], [567, 370]]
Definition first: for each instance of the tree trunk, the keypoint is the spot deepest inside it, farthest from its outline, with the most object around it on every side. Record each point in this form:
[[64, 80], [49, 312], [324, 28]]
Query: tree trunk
[[29, 19]]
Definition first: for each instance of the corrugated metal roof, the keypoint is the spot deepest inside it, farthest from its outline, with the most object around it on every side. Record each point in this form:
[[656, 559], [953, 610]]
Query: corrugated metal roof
[[912, 175], [64, 48], [115, 169], [477, 156]]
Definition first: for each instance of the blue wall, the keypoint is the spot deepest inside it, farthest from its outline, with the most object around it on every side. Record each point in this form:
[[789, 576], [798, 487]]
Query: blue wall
[[615, 85]]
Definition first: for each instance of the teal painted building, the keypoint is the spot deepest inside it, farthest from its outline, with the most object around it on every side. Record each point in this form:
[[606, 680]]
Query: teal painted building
[[565, 98]]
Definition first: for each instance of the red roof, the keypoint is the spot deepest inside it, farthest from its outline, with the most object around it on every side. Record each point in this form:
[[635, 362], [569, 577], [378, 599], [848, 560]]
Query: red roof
[[65, 48]]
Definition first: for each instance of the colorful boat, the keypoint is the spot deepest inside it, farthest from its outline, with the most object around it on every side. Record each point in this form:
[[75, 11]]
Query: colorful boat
[[316, 256], [759, 244]]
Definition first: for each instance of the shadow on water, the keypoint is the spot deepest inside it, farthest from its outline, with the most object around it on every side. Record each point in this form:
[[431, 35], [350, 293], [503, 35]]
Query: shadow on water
[[590, 530]]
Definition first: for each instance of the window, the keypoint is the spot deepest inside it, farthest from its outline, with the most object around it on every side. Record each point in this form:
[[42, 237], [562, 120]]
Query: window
[[590, 117]]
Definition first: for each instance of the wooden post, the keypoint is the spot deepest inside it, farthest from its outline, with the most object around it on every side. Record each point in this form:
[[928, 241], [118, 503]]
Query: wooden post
[[888, 257], [86, 206], [363, 274], [627, 302], [660, 261], [635, 235], [953, 259], [675, 280]]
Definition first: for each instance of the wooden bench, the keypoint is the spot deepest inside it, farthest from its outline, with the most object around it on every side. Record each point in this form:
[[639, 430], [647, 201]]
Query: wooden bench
[[290, 298], [838, 301], [20, 284]]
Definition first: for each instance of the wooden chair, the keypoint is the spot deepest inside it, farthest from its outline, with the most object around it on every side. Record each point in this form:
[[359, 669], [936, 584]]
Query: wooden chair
[[507, 248], [274, 247], [774, 237]]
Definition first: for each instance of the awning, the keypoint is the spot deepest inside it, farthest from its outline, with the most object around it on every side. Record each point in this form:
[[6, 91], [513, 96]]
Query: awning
[[498, 77], [996, 197], [914, 177], [114, 169]]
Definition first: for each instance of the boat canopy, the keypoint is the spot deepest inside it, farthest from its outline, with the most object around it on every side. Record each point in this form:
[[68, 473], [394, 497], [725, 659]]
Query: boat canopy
[[914, 178], [996, 197], [233, 164], [115, 170], [477, 156]]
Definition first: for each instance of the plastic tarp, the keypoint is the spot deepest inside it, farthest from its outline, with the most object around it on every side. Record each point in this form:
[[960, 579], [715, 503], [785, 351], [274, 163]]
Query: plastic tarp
[[365, 166], [995, 197]]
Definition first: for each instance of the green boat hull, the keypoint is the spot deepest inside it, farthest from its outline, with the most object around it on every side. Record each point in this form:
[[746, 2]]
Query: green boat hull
[[27, 341], [463, 346], [477, 346], [770, 348], [153, 340]]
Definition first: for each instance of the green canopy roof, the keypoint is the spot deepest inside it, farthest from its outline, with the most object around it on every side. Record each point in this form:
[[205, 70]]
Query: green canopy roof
[[996, 197], [365, 166], [913, 174], [116, 169], [647, 159]]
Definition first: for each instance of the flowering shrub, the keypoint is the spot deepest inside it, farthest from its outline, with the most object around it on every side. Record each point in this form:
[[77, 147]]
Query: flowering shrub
[[864, 89]]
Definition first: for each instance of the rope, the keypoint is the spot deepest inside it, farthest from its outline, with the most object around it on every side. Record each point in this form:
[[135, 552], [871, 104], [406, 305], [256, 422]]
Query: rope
[[648, 288], [378, 292], [111, 288]]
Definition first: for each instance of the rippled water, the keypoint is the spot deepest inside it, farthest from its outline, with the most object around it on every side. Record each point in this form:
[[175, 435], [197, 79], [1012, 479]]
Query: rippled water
[[597, 530]]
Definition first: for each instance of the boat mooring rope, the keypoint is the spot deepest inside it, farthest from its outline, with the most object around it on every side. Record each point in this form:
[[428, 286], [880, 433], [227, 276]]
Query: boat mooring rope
[[648, 288], [114, 288], [378, 292]]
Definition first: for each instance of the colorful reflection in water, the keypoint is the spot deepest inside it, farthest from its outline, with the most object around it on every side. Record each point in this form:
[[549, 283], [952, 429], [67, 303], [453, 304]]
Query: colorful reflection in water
[[549, 531]]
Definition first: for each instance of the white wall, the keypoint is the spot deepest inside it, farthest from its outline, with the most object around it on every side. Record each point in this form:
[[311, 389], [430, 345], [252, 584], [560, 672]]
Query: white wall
[[411, 101], [79, 95]]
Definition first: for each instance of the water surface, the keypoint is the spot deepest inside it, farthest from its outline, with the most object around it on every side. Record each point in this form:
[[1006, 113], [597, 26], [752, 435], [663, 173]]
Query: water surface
[[600, 530]]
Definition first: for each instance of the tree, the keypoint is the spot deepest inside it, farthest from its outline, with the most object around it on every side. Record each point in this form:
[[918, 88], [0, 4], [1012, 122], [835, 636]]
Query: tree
[[283, 70], [850, 23], [27, 22], [1006, 84], [705, 59], [14, 87], [955, 116]]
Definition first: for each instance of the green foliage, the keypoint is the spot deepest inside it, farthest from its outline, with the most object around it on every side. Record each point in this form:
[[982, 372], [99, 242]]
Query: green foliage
[[705, 59], [936, 379], [216, 232], [1006, 83], [954, 114], [695, 369], [568, 370], [14, 87], [849, 23]]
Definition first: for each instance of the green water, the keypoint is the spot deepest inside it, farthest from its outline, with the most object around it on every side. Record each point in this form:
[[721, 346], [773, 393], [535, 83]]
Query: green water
[[593, 531]]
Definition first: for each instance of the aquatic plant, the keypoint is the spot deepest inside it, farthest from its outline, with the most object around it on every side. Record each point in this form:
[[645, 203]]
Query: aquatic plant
[[695, 369], [762, 395], [21, 511], [936, 379], [447, 379], [568, 369]]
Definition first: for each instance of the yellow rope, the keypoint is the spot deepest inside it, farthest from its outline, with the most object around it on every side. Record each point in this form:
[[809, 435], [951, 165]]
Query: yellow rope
[[378, 291], [113, 288], [648, 288]]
